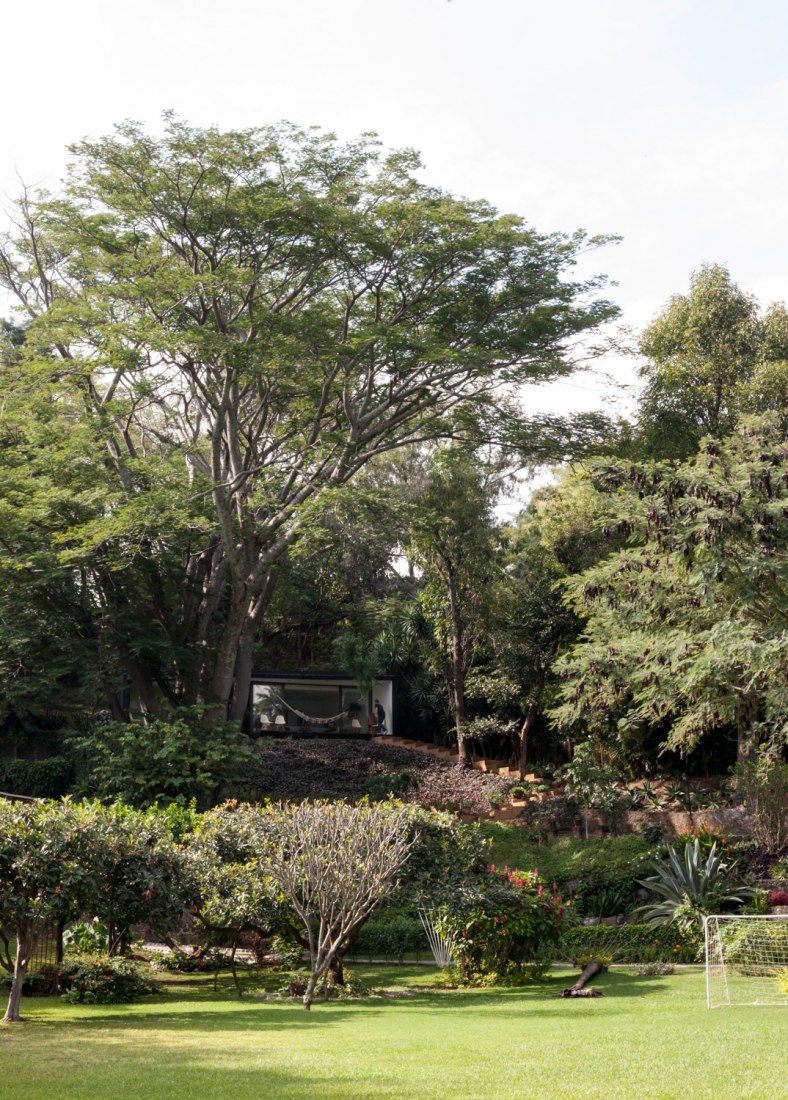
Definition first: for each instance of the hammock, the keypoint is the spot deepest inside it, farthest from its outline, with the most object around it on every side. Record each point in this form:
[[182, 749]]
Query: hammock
[[309, 717]]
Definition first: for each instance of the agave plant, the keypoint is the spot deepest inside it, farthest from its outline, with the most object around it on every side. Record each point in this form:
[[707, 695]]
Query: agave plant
[[690, 888]]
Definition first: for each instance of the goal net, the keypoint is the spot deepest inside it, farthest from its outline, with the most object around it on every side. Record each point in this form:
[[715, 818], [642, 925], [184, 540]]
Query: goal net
[[746, 960]]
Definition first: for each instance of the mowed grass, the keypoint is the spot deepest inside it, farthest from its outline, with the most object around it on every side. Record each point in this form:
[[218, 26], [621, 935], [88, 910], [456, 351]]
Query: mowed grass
[[648, 1037]]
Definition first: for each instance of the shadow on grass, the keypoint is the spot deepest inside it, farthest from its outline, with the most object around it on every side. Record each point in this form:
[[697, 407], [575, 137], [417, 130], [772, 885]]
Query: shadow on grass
[[179, 1013]]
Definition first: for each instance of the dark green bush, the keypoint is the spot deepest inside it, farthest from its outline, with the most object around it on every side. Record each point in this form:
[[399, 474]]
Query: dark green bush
[[97, 979], [37, 983], [633, 943], [173, 760], [179, 962], [48, 778], [391, 937]]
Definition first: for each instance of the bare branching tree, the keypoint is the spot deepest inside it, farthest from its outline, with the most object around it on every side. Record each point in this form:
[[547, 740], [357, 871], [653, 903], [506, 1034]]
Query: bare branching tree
[[335, 862]]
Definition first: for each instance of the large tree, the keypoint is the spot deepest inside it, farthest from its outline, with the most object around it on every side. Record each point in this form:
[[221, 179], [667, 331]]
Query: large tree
[[454, 539], [687, 624], [711, 356], [238, 322]]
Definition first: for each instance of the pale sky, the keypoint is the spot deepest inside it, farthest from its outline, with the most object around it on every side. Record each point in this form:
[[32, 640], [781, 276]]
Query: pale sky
[[665, 121]]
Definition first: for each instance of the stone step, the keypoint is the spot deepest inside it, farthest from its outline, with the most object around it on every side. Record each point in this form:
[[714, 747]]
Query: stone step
[[492, 767]]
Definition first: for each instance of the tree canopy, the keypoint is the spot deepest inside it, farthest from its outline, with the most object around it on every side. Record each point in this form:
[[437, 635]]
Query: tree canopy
[[687, 623], [224, 327]]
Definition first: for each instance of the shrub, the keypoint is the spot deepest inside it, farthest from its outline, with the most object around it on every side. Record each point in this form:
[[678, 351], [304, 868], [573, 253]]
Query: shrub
[[745, 940], [505, 929], [49, 778], [383, 786], [289, 954], [758, 904], [778, 897], [609, 900], [765, 788], [166, 761], [691, 887], [179, 962], [707, 837], [96, 979], [391, 937], [655, 969], [632, 943], [38, 983], [90, 937]]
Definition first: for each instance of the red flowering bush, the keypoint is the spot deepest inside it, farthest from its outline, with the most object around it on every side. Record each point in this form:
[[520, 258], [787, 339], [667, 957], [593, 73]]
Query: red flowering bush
[[504, 930], [778, 897]]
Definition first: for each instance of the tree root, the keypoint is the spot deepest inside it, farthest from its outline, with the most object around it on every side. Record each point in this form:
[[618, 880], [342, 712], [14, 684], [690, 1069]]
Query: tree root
[[572, 992]]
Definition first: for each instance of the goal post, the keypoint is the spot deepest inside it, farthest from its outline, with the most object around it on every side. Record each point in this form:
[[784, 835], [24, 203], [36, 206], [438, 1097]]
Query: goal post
[[746, 960]]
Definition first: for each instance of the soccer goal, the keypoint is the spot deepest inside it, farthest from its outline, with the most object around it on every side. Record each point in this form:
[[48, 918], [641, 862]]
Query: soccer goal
[[746, 960]]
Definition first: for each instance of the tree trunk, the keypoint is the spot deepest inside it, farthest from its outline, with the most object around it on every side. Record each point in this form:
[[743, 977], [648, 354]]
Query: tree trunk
[[244, 660], [337, 970], [524, 732], [239, 707], [591, 968], [579, 988], [25, 942], [309, 993], [456, 669], [746, 737], [226, 656]]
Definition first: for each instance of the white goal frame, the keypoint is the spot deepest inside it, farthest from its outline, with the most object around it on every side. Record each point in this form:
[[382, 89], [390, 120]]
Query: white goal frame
[[735, 973]]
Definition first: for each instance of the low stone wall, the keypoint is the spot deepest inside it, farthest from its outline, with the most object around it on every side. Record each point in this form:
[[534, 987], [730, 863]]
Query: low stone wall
[[734, 822]]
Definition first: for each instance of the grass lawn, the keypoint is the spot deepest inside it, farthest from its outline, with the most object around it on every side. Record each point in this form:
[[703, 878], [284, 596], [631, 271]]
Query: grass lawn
[[648, 1037]]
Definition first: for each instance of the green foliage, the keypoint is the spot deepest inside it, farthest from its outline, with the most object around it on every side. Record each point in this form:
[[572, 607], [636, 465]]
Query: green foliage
[[48, 778], [507, 927], [179, 962], [139, 869], [229, 885], [703, 350], [453, 538], [288, 952], [391, 785], [686, 625], [391, 936], [690, 888], [744, 942], [609, 900], [757, 904], [446, 856], [708, 837], [89, 937], [764, 784], [588, 781], [633, 943], [162, 761], [217, 392], [96, 979], [47, 869]]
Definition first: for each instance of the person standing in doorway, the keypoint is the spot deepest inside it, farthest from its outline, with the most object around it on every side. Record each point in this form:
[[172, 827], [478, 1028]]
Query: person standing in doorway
[[380, 715]]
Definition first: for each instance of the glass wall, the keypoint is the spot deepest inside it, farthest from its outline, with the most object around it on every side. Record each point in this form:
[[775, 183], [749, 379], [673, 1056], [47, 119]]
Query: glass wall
[[298, 706]]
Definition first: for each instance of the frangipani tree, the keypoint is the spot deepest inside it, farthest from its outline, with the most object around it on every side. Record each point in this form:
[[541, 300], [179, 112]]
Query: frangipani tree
[[334, 862]]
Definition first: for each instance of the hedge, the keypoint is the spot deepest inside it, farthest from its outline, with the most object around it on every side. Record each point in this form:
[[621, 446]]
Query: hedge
[[49, 778], [634, 943], [391, 938]]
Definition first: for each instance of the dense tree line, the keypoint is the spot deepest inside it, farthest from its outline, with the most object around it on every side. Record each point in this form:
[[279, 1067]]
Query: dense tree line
[[260, 405]]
